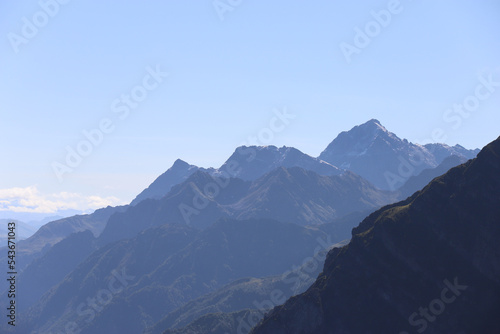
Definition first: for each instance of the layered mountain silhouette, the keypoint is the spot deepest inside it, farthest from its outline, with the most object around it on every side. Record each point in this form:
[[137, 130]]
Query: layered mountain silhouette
[[443, 151], [50, 234], [53, 232], [247, 163], [48, 270], [165, 267], [291, 195], [369, 150], [255, 295], [199, 246], [23, 230], [427, 264], [419, 181]]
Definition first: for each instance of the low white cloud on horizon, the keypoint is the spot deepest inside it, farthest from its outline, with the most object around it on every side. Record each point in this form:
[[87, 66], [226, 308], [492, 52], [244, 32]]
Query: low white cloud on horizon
[[31, 200]]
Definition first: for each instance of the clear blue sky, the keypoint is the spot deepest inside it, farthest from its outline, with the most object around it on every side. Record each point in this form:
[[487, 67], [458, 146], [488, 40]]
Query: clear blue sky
[[225, 78]]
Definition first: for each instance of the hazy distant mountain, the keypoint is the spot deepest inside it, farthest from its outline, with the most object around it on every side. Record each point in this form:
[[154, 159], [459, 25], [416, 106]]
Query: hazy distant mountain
[[51, 233], [36, 218], [419, 181], [176, 174], [55, 231], [289, 195], [171, 265], [368, 150], [23, 230], [384, 159], [443, 151], [428, 264], [247, 163]]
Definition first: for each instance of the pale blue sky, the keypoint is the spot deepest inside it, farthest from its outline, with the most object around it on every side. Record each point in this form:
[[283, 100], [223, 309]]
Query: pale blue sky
[[225, 79]]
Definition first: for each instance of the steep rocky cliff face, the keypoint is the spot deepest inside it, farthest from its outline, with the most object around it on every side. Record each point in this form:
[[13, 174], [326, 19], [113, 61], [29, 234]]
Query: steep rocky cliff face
[[429, 264]]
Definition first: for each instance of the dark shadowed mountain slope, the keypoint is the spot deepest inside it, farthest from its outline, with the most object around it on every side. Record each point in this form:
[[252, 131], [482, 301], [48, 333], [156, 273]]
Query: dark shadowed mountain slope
[[381, 157], [428, 264], [289, 195], [176, 174]]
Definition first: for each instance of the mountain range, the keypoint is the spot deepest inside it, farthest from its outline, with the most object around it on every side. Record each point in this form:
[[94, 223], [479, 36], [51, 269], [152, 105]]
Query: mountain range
[[369, 150], [293, 195], [166, 267], [23, 230], [427, 264], [202, 244], [246, 163]]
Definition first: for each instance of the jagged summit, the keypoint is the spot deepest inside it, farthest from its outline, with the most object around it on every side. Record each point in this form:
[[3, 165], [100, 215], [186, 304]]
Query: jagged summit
[[359, 140], [381, 157], [180, 163], [251, 162], [368, 149], [176, 174], [374, 123]]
